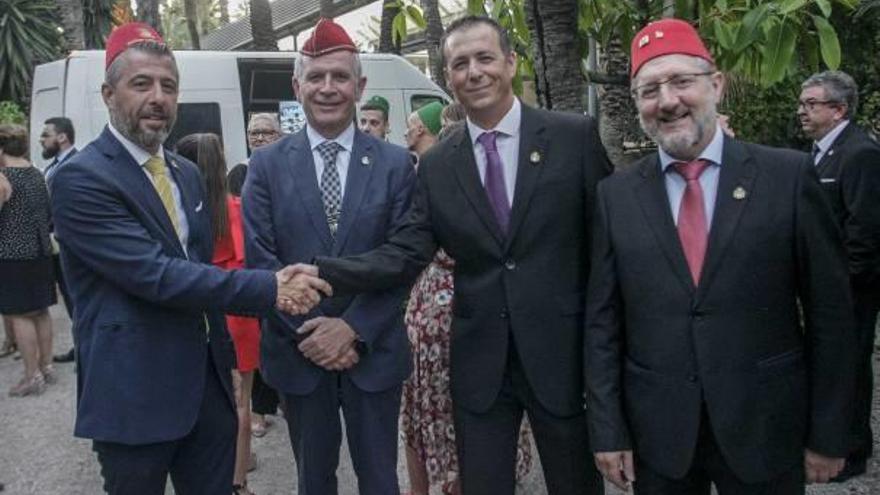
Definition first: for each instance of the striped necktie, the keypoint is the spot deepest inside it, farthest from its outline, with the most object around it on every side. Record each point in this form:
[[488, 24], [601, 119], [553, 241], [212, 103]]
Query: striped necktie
[[157, 169]]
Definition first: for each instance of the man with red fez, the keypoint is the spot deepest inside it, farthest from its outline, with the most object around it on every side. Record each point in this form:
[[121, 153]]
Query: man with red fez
[[332, 190], [508, 195], [719, 324], [152, 352]]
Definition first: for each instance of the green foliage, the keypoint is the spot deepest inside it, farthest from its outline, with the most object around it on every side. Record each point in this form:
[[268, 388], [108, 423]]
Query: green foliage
[[763, 40], [765, 115], [174, 26], [406, 12], [10, 113], [29, 35], [98, 21]]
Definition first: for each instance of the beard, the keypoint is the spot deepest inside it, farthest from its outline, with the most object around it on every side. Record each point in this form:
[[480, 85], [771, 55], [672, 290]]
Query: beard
[[682, 144], [51, 152], [148, 139]]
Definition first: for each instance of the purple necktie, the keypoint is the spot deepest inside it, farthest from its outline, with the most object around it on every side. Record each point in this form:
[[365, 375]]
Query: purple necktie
[[494, 182]]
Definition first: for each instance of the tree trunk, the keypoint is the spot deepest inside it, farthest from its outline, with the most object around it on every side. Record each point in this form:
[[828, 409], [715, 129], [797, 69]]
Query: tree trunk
[[192, 23], [223, 5], [619, 129], [386, 28], [148, 12], [556, 54], [326, 9], [433, 33], [72, 21], [261, 26]]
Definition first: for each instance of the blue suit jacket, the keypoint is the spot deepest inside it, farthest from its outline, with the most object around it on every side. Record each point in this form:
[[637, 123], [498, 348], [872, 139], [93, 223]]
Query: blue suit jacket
[[285, 223], [142, 303]]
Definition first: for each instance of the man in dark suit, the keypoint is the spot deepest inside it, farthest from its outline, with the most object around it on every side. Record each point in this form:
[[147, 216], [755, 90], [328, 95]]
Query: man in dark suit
[[848, 163], [57, 141], [699, 369], [332, 190], [153, 355], [509, 197]]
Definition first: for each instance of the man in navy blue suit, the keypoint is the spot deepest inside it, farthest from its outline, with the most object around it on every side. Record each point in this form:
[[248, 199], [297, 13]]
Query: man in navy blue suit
[[332, 190], [153, 355]]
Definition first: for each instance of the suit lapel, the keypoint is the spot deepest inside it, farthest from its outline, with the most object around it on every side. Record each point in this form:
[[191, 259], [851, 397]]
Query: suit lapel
[[830, 158], [737, 173], [461, 156], [357, 178], [186, 198], [135, 182], [531, 140], [302, 169], [654, 201]]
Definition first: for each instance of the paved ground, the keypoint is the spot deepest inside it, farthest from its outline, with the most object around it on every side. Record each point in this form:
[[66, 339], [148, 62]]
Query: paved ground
[[38, 454]]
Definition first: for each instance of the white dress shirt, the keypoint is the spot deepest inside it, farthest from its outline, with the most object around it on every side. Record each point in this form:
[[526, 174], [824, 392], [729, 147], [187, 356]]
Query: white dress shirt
[[675, 183], [507, 143], [827, 140], [344, 139], [141, 156]]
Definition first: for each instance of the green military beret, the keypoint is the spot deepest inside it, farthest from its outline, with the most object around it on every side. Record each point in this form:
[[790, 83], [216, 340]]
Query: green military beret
[[430, 115], [376, 102]]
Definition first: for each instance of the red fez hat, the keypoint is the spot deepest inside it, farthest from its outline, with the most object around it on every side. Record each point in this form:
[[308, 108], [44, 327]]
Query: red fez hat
[[327, 37], [666, 37], [126, 35]]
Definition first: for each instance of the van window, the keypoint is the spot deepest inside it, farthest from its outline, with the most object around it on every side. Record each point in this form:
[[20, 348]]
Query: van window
[[195, 117], [418, 101]]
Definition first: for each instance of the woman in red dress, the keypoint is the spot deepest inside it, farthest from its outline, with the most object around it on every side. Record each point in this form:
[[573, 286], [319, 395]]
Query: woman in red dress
[[226, 226]]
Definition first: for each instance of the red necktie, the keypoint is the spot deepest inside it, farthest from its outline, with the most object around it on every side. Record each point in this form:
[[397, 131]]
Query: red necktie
[[692, 226]]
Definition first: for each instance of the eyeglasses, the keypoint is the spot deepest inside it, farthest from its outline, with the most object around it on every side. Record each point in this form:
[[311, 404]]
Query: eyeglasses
[[809, 105], [678, 83], [262, 134]]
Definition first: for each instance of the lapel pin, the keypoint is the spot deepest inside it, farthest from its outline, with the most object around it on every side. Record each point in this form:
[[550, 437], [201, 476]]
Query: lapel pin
[[739, 193], [830, 152], [365, 161], [535, 157]]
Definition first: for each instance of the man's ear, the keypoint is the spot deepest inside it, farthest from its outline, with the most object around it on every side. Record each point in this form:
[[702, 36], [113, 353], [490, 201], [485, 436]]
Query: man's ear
[[106, 93], [295, 85], [362, 84]]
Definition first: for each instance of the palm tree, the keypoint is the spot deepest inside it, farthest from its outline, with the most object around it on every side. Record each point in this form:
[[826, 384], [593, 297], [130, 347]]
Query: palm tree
[[192, 23], [223, 6], [433, 33], [98, 21], [72, 21], [555, 53], [326, 9], [148, 12], [28, 36], [390, 9], [262, 30]]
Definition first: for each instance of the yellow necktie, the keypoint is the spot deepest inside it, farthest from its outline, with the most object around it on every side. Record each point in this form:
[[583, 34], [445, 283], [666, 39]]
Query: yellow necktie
[[156, 166]]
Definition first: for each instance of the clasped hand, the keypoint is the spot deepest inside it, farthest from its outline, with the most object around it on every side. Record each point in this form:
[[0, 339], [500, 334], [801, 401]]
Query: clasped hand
[[330, 343], [300, 289]]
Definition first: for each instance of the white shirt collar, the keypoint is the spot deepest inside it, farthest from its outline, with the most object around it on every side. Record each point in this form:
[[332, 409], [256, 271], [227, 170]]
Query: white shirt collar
[[139, 154], [344, 139], [711, 153], [63, 154], [508, 125], [825, 143]]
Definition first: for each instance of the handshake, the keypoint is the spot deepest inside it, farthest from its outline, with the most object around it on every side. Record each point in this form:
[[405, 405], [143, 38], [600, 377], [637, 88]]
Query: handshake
[[300, 288], [331, 342]]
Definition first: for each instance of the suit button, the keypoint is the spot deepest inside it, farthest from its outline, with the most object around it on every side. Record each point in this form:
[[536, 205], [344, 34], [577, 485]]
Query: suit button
[[510, 264], [504, 313]]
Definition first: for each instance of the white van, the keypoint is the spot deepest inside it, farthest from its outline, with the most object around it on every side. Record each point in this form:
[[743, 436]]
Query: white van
[[218, 92]]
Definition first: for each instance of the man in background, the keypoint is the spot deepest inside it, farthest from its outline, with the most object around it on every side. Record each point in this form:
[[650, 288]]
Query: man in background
[[848, 163], [57, 140], [422, 127], [374, 117]]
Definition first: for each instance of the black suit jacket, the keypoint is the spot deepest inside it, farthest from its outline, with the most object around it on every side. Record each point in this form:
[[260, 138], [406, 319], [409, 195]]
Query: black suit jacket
[[528, 284], [850, 174], [658, 348]]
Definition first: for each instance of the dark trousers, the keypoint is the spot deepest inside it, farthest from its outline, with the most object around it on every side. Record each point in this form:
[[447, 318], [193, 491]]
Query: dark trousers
[[370, 426], [709, 467], [62, 286], [866, 308], [486, 442], [264, 399], [201, 463]]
